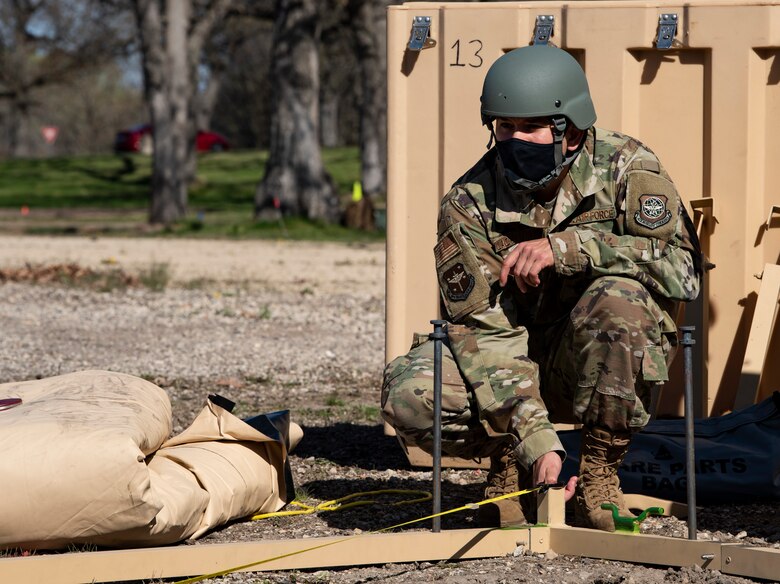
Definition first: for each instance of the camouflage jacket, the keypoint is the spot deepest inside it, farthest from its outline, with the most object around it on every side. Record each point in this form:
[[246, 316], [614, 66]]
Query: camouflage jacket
[[616, 213]]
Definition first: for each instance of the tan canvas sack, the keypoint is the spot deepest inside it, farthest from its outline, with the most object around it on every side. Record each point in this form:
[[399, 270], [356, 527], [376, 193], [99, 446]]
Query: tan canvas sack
[[85, 461]]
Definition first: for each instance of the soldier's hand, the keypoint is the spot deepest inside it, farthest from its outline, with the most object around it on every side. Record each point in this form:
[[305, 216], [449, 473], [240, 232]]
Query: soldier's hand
[[525, 262], [546, 470]]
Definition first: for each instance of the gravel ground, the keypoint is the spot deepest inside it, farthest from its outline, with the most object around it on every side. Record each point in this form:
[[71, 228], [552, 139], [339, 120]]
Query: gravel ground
[[286, 326]]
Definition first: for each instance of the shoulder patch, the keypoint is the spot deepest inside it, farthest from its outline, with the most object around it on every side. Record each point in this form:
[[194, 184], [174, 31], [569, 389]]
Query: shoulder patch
[[459, 282], [462, 284], [445, 249], [652, 211], [652, 205]]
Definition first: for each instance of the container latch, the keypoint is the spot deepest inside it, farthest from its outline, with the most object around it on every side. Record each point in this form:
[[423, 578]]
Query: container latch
[[667, 29], [545, 28], [421, 30]]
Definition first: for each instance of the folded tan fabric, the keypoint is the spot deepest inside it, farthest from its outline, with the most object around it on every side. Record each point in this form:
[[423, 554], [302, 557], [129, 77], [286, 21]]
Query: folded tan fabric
[[85, 460]]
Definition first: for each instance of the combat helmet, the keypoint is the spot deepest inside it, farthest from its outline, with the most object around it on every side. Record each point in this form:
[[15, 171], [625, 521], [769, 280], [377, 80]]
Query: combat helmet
[[539, 81]]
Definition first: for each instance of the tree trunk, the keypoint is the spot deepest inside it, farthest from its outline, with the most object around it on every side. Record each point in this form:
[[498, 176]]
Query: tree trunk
[[164, 49], [171, 49], [329, 120], [370, 27], [20, 60], [208, 99], [295, 180], [20, 130]]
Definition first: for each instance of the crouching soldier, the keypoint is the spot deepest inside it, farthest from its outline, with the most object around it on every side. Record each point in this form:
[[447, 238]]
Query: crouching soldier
[[561, 257]]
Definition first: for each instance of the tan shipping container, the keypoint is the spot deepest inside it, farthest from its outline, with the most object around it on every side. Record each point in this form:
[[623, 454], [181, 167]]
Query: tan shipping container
[[709, 106]]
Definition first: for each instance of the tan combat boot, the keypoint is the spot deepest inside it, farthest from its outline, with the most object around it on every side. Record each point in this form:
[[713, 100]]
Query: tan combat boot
[[602, 453], [503, 478]]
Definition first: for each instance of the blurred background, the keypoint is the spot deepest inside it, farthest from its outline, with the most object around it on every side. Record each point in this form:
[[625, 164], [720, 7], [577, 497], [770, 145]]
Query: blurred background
[[213, 116]]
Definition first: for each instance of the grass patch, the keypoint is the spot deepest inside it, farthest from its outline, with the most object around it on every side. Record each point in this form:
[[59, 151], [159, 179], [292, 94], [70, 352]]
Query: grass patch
[[79, 548], [224, 181], [336, 409], [259, 379], [109, 195], [232, 225], [199, 284], [370, 413], [264, 313], [334, 400], [16, 553], [71, 275], [94, 181], [156, 277], [303, 495]]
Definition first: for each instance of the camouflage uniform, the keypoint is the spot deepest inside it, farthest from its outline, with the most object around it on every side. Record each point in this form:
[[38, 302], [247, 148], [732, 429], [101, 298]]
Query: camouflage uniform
[[585, 346]]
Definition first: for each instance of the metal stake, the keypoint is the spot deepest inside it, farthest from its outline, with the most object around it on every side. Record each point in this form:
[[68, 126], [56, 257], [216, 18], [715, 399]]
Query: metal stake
[[690, 458], [437, 336]]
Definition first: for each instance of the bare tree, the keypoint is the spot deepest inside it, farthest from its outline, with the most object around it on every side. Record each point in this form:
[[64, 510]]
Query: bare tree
[[338, 78], [217, 55], [370, 33], [222, 48], [45, 43], [242, 109], [295, 180], [173, 34], [245, 96], [243, 101]]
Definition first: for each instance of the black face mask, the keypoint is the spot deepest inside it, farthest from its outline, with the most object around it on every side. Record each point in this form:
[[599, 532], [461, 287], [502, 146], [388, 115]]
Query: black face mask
[[527, 160]]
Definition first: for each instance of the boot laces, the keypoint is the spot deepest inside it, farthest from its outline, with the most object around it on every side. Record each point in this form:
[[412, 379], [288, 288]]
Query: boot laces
[[502, 477], [600, 484]]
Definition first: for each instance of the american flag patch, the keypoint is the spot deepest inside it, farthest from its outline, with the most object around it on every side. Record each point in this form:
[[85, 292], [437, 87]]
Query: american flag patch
[[446, 249]]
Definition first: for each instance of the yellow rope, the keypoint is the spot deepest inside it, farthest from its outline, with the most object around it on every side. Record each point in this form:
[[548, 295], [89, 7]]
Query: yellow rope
[[338, 504], [330, 543]]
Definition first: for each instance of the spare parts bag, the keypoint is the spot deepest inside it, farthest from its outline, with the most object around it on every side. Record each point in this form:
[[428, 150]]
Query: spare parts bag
[[737, 457]]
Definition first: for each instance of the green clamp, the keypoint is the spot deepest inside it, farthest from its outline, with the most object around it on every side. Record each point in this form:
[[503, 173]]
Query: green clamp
[[630, 524]]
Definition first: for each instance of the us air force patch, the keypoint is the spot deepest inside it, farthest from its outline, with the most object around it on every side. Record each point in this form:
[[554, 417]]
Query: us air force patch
[[459, 282], [463, 286], [652, 211], [652, 205]]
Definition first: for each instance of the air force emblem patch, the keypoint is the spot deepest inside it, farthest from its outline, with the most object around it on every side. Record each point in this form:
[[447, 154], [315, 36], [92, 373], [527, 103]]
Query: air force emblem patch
[[652, 212], [652, 205], [459, 282]]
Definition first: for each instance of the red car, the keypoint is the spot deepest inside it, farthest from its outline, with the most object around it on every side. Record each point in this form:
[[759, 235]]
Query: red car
[[139, 139]]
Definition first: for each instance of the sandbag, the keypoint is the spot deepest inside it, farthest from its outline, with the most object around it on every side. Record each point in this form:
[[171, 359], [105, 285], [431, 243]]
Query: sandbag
[[87, 460], [737, 457]]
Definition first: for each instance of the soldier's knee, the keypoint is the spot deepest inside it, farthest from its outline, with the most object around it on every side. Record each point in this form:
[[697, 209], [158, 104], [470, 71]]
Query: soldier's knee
[[406, 403], [613, 302], [615, 291]]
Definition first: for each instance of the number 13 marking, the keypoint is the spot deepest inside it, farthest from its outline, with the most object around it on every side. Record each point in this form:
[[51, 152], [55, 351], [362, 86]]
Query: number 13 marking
[[472, 63]]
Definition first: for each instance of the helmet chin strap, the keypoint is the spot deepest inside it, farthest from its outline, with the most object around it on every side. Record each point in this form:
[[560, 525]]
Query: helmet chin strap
[[559, 131], [492, 137]]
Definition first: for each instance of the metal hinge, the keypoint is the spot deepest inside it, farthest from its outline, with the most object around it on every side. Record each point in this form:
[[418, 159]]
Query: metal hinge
[[544, 29], [667, 29], [421, 31]]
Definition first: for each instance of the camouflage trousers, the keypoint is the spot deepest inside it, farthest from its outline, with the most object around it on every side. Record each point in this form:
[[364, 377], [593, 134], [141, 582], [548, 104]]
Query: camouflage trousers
[[596, 366]]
